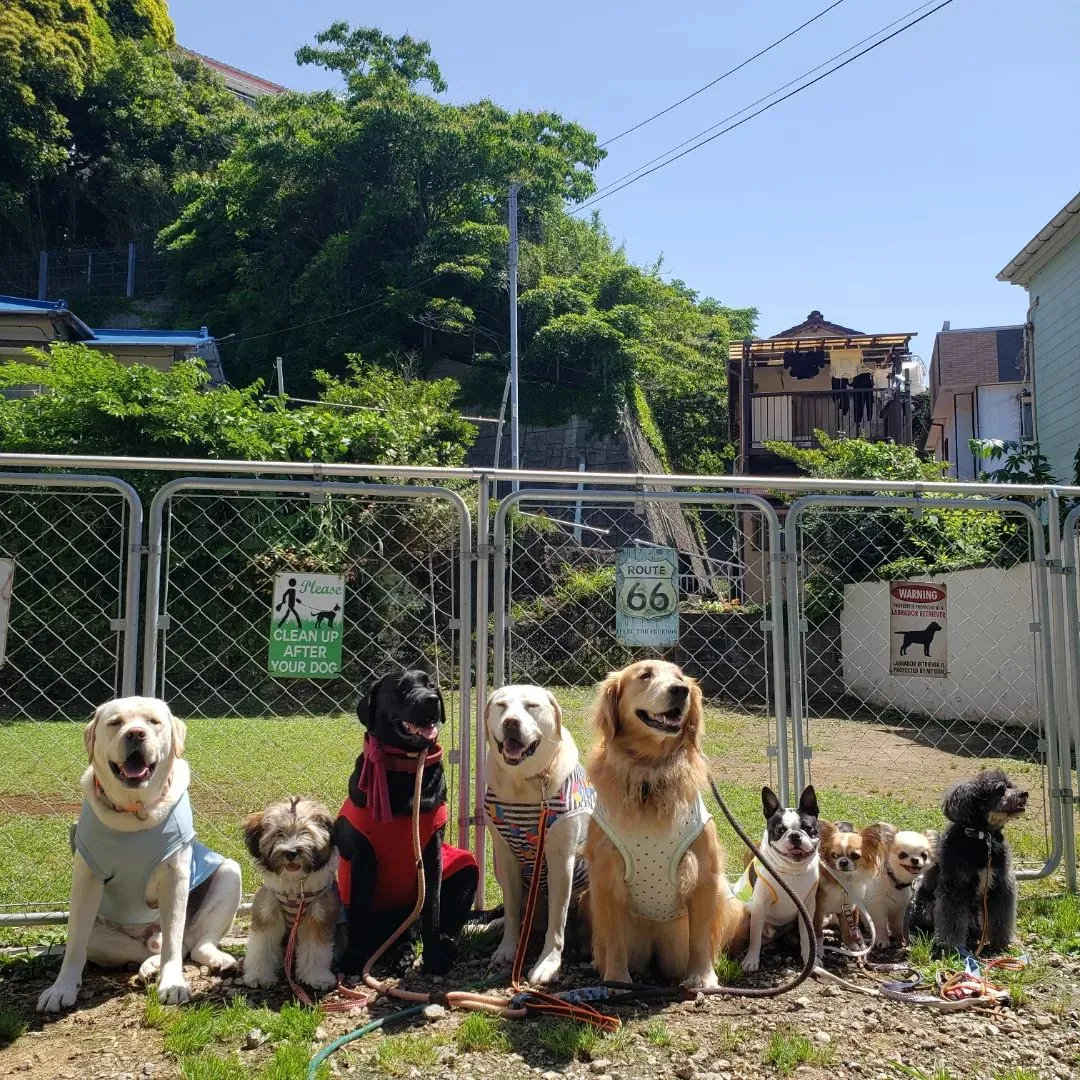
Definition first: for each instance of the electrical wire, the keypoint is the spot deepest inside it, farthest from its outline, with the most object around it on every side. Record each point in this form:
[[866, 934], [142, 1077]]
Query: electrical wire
[[720, 78], [764, 97], [612, 189]]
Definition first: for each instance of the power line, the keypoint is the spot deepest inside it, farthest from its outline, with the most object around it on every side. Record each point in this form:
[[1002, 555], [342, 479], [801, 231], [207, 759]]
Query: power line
[[611, 189], [337, 315], [765, 97], [720, 78]]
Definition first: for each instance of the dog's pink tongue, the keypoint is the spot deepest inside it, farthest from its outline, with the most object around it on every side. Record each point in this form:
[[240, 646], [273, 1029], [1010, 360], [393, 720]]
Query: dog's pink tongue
[[426, 731], [134, 772]]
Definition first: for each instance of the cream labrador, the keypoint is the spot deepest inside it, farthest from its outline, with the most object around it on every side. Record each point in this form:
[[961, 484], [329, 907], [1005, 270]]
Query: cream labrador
[[143, 890], [532, 761]]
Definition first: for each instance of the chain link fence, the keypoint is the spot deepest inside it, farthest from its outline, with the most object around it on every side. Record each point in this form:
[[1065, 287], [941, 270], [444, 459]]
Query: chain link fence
[[71, 587], [890, 718], [783, 615], [255, 737]]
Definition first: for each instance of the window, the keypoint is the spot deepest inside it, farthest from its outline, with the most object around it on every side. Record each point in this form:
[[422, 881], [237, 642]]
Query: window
[[1027, 417], [945, 449]]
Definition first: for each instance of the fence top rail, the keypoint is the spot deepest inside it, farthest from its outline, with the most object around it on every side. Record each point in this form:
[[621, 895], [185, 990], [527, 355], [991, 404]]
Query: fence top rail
[[320, 470]]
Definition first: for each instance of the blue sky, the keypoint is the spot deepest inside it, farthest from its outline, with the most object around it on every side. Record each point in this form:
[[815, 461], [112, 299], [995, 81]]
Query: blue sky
[[888, 196]]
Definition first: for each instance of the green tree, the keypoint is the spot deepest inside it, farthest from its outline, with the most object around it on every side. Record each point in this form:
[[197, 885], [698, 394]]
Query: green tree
[[101, 119]]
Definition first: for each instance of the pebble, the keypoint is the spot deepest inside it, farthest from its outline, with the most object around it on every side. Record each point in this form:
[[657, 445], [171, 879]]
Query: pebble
[[701, 1054], [254, 1039], [552, 1075], [800, 1003], [147, 1068], [600, 1065], [822, 1037], [320, 1034], [686, 1072], [1043, 1022], [434, 1012]]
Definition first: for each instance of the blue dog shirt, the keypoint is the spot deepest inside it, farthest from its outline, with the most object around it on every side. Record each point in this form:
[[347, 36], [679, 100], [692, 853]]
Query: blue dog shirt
[[125, 861]]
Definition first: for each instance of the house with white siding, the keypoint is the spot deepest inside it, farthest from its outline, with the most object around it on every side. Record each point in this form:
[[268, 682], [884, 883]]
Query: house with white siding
[[1048, 266]]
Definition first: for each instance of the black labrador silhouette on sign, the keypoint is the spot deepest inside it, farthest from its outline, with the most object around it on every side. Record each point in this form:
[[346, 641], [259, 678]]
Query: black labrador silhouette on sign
[[327, 617], [918, 637]]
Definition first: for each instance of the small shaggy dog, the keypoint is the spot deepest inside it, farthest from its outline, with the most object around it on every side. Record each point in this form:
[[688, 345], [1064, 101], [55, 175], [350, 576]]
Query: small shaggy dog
[[972, 871], [291, 844]]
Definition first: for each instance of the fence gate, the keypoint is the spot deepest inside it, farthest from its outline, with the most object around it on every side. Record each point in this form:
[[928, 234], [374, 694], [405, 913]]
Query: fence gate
[[222, 552], [898, 692], [555, 625], [69, 569]]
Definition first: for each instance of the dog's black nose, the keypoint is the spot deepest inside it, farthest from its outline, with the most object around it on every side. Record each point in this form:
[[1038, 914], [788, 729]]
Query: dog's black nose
[[796, 839], [289, 853], [679, 692], [512, 723], [136, 735], [1023, 798]]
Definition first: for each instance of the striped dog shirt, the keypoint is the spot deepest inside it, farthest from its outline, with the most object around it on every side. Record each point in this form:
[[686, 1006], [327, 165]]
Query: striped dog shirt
[[519, 823]]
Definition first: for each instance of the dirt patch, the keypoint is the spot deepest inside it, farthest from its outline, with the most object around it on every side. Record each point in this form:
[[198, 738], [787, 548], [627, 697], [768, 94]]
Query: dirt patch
[[37, 805], [847, 1034]]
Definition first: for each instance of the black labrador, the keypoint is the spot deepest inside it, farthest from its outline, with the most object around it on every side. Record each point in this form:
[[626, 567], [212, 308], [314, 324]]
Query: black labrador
[[402, 714]]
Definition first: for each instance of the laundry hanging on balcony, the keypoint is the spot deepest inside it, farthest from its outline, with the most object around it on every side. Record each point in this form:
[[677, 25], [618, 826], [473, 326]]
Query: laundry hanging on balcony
[[804, 365], [863, 385], [845, 363]]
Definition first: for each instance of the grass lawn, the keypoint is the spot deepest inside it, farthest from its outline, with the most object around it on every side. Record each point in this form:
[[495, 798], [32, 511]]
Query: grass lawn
[[863, 771]]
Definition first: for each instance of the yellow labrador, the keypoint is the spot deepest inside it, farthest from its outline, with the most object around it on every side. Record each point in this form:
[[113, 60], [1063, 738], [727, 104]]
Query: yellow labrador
[[143, 889]]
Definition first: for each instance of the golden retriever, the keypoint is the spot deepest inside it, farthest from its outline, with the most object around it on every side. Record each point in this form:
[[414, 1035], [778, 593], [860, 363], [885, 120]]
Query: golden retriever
[[657, 891]]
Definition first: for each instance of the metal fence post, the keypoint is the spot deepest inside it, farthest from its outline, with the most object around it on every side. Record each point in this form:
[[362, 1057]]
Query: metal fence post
[[130, 289], [478, 777], [794, 645]]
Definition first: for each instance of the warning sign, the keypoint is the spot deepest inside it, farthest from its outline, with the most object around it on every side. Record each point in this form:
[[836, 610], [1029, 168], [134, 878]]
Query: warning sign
[[918, 644], [306, 626], [7, 582]]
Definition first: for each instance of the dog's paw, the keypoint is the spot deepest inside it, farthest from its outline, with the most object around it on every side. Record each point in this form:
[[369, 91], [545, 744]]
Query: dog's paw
[[703, 980], [440, 959], [319, 979], [148, 972], [172, 988], [259, 978], [546, 969], [750, 964], [504, 954], [61, 995], [221, 963]]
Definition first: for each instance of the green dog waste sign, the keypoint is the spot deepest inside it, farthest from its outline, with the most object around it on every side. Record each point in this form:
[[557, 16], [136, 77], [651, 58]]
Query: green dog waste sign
[[306, 626], [647, 596]]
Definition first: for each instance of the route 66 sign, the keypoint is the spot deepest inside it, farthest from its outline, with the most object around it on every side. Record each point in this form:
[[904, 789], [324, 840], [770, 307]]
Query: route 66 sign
[[647, 596]]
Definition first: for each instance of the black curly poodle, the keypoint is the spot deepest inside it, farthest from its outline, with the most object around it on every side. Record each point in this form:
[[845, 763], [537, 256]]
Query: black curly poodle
[[972, 859]]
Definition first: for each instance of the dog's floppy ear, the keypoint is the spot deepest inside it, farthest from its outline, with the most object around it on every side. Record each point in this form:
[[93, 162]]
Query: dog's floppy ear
[[442, 707], [557, 710], [888, 832], [253, 824], [606, 707], [322, 817], [875, 843], [770, 804], [956, 803], [808, 802], [90, 732], [695, 714], [179, 734], [365, 707]]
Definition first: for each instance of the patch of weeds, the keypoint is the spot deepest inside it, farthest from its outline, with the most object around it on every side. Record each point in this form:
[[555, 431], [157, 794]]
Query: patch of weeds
[[290, 1062], [788, 1049], [658, 1033], [912, 1073], [728, 970], [923, 956], [1017, 1072], [476, 942], [1054, 919], [478, 1031], [1061, 1004], [205, 1066], [729, 1038], [24, 967], [396, 1054], [13, 1024], [1017, 982], [569, 1039], [191, 1030]]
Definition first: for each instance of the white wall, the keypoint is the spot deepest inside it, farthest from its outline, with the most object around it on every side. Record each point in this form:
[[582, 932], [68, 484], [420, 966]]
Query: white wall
[[999, 413], [991, 650]]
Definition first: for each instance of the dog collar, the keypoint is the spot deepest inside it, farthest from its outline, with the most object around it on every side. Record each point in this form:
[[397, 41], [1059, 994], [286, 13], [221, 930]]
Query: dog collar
[[896, 882], [136, 808], [292, 902], [979, 834]]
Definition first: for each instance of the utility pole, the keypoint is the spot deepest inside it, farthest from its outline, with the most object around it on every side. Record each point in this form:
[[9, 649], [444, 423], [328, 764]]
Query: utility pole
[[280, 376], [515, 444]]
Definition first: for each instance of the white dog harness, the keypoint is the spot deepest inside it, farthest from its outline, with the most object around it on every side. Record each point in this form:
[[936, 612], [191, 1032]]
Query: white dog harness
[[651, 857], [518, 823], [125, 861]]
